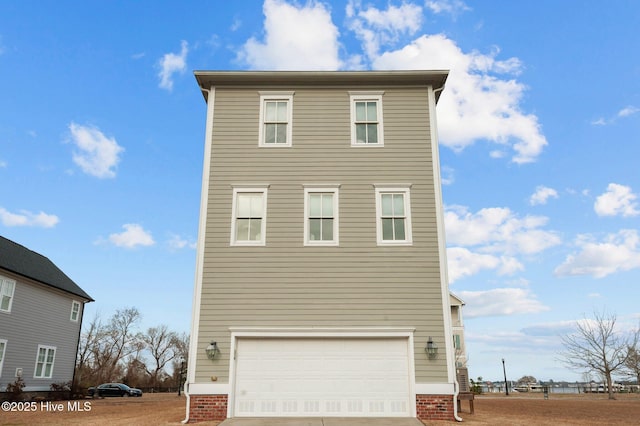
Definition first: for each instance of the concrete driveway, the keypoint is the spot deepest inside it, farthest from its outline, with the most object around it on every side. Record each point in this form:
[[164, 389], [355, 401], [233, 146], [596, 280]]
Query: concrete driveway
[[323, 421]]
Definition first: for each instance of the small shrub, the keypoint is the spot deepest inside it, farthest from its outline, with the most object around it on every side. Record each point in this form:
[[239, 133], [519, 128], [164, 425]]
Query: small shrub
[[59, 390], [14, 390]]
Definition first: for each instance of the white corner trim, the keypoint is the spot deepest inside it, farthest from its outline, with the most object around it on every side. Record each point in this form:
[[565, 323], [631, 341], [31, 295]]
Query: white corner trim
[[435, 388], [442, 244], [202, 227], [209, 389]]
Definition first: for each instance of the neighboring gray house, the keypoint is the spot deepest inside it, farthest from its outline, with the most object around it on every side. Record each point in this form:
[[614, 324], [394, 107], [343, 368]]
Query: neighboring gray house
[[321, 286], [40, 318]]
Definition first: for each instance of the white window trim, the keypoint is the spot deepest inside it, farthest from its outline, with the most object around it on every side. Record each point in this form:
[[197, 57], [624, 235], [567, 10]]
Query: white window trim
[[310, 189], [5, 281], [2, 353], [366, 96], [79, 305], [239, 190], [384, 189], [35, 367], [276, 96]]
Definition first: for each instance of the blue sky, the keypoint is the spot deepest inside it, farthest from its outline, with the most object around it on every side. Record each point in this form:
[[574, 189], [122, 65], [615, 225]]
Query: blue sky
[[102, 133]]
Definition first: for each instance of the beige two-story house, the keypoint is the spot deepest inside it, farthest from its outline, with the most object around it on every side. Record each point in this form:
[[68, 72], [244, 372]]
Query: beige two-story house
[[321, 286]]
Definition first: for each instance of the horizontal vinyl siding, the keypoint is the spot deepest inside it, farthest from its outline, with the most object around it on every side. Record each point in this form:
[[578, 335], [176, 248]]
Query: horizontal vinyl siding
[[286, 284], [39, 316]]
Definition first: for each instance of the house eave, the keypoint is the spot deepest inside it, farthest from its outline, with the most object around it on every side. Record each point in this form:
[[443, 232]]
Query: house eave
[[208, 79]]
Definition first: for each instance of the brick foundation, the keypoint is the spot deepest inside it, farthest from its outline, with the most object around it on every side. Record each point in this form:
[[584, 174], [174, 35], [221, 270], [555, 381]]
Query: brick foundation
[[434, 407], [203, 408]]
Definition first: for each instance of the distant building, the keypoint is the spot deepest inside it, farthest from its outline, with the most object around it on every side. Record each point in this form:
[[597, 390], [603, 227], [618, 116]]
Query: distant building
[[321, 286], [41, 312]]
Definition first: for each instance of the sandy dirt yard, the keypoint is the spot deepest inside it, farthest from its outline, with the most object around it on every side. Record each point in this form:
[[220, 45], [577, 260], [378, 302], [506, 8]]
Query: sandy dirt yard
[[169, 409]]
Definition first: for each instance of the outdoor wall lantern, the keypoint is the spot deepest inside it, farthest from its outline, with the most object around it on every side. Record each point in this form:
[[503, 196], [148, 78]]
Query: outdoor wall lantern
[[431, 349], [212, 350]]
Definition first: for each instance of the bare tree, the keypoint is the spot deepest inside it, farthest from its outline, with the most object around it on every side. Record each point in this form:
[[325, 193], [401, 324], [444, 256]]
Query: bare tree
[[161, 345], [596, 346], [86, 345], [632, 365], [182, 345]]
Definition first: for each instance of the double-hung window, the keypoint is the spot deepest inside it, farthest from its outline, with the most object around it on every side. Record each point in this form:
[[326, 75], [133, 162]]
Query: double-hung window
[[7, 288], [276, 116], [366, 119], [393, 215], [44, 362], [321, 216], [249, 216], [75, 311], [3, 348]]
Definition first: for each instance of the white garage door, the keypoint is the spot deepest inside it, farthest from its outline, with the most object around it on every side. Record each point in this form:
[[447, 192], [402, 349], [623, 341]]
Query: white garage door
[[338, 377]]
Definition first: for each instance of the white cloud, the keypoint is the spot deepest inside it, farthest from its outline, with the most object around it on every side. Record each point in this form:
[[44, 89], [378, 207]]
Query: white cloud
[[623, 113], [448, 175], [452, 7], [3, 164], [176, 242], [497, 236], [26, 218], [463, 262], [172, 63], [500, 301], [134, 235], [627, 111], [476, 103], [375, 27], [550, 329], [296, 38], [497, 229], [616, 253], [617, 201], [542, 195], [96, 154]]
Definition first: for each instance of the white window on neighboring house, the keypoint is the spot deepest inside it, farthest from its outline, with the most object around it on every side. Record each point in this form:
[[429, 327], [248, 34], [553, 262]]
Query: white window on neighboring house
[[3, 348], [456, 342], [321, 216], [7, 287], [276, 119], [366, 119], [44, 362], [75, 311], [249, 219], [393, 211]]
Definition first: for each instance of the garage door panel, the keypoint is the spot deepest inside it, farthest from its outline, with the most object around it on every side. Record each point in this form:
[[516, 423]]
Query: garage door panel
[[322, 377]]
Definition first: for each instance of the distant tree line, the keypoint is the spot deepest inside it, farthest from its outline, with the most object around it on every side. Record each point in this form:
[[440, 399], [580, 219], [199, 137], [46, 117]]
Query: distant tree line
[[115, 350]]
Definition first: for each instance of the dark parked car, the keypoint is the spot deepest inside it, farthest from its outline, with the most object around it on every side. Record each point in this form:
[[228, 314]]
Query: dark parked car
[[113, 389]]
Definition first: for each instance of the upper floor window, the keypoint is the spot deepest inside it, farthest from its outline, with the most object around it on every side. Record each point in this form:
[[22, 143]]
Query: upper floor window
[[393, 216], [7, 288], [249, 219], [276, 116], [44, 362], [75, 311], [3, 347], [366, 119], [456, 342], [321, 216]]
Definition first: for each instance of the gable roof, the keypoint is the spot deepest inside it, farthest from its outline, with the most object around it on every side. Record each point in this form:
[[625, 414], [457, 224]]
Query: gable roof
[[22, 261], [455, 300]]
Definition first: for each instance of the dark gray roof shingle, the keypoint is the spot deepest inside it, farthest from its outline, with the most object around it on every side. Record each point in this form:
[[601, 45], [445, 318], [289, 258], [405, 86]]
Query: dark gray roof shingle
[[22, 261]]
